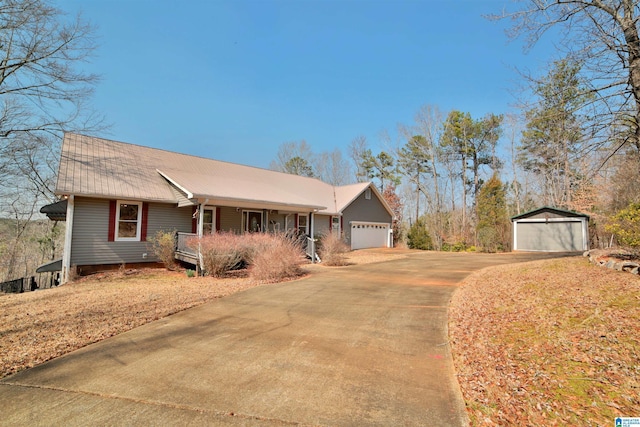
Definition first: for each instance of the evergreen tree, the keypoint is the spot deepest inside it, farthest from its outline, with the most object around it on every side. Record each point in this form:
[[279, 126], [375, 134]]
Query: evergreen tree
[[493, 224], [413, 160], [418, 237], [553, 134]]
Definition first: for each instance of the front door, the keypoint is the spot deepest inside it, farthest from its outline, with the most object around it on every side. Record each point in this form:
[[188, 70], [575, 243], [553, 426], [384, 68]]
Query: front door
[[252, 221]]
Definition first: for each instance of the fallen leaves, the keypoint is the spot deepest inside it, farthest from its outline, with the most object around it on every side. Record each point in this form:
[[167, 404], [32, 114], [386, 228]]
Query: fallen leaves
[[38, 326], [552, 342]]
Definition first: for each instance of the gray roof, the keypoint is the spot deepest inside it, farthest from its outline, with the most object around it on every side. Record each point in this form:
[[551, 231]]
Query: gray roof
[[102, 168], [50, 266], [55, 211], [552, 210]]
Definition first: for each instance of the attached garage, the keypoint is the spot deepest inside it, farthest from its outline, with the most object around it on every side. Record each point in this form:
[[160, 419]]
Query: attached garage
[[550, 230], [370, 235]]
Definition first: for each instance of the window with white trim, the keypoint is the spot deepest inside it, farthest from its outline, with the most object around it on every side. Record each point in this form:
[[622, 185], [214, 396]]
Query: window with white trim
[[367, 194], [207, 221], [128, 221], [302, 223], [335, 224]]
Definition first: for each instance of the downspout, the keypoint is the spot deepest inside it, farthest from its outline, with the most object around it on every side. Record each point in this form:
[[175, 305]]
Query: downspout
[[68, 234]]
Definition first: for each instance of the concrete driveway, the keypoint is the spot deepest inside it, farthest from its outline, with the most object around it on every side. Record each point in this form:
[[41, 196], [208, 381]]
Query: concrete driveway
[[361, 345]]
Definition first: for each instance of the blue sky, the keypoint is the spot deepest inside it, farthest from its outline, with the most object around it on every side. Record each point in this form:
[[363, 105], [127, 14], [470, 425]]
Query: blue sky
[[232, 80]]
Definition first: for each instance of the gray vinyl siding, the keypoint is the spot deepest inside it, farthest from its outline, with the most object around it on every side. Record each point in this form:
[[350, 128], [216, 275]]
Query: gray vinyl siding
[[322, 224], [276, 222], [361, 209], [230, 219], [90, 245]]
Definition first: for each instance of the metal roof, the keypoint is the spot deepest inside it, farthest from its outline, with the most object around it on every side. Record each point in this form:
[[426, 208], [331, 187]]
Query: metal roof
[[562, 212], [103, 168], [55, 211], [50, 266]]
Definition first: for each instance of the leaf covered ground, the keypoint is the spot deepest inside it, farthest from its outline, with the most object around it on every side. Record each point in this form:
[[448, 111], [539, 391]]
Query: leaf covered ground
[[38, 326], [553, 342]]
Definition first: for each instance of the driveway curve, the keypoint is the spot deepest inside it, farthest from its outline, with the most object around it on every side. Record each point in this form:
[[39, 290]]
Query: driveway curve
[[357, 345]]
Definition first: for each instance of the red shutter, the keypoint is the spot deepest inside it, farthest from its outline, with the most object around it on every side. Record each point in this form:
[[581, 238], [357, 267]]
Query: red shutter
[[330, 223], [194, 220], [145, 219], [112, 221], [217, 219], [341, 225], [296, 224]]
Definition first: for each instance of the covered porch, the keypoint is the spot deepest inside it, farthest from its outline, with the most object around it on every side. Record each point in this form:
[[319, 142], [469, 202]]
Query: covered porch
[[208, 218]]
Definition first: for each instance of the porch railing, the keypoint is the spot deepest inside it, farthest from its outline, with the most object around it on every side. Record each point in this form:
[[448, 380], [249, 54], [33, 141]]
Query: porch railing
[[181, 244], [308, 244]]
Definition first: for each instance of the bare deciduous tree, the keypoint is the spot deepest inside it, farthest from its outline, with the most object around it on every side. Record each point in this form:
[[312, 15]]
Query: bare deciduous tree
[[333, 168], [603, 36], [293, 154], [357, 149], [43, 92]]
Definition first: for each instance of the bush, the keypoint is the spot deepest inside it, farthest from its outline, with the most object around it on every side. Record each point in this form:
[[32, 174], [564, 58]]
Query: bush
[[270, 257], [418, 237], [163, 246], [332, 249], [625, 225], [455, 247], [220, 252], [274, 257]]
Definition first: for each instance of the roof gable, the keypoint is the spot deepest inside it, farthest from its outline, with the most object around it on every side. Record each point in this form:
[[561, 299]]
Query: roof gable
[[556, 212], [347, 194]]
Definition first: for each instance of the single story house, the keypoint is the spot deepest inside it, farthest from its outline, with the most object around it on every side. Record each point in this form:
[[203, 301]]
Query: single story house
[[550, 229], [118, 194]]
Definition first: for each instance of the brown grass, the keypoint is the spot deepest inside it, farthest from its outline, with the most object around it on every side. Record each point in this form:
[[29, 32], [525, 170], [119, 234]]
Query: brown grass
[[552, 342], [38, 326]]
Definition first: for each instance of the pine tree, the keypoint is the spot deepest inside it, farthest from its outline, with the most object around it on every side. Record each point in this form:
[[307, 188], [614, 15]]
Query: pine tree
[[493, 224]]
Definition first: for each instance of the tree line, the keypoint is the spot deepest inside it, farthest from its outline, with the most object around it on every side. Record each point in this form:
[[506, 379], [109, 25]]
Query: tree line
[[574, 142]]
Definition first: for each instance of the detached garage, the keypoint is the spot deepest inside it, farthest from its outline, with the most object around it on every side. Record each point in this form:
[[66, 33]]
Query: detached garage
[[550, 230]]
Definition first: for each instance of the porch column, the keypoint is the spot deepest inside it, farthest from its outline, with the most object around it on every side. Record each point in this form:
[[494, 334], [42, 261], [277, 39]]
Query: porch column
[[312, 242], [200, 232], [200, 219], [68, 234]]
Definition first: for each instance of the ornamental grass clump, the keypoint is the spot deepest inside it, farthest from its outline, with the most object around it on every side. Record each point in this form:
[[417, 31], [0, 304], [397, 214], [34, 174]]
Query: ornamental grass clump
[[219, 252], [275, 257], [333, 250]]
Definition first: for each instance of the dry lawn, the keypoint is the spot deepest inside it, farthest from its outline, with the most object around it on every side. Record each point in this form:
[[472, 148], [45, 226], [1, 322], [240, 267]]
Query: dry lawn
[[553, 342], [38, 326]]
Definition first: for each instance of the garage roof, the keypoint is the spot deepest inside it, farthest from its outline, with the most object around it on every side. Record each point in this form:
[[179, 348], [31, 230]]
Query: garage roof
[[555, 212]]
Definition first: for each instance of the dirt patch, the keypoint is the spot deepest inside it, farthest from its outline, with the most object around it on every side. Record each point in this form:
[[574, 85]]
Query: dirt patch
[[551, 342]]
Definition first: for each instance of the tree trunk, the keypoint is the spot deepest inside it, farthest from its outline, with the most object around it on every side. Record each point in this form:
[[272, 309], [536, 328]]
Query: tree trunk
[[628, 23]]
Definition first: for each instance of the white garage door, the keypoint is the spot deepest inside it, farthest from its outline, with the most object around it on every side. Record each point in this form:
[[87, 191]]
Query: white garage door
[[369, 235]]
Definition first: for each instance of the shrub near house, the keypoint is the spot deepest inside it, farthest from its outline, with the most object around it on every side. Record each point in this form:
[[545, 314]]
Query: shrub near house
[[267, 257]]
